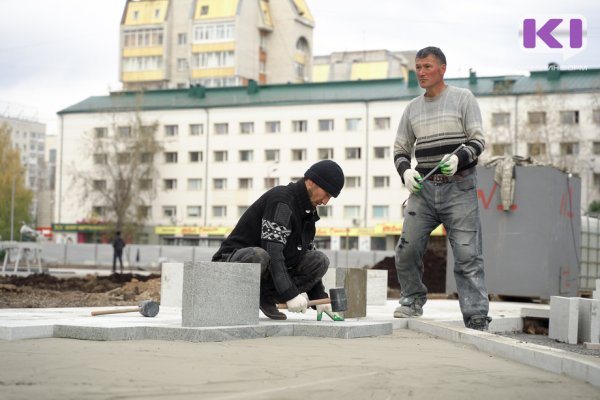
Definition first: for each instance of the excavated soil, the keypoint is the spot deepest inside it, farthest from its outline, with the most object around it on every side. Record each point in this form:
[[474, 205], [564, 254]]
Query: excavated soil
[[47, 291]]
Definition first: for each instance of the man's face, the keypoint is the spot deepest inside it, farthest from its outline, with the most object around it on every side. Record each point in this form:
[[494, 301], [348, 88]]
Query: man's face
[[318, 196], [429, 71]]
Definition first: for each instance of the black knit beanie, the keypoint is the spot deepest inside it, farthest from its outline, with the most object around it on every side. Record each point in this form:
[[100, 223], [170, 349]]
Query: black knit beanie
[[328, 175]]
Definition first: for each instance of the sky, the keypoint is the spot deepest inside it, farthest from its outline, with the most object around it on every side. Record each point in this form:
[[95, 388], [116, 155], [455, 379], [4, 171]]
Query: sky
[[55, 53]]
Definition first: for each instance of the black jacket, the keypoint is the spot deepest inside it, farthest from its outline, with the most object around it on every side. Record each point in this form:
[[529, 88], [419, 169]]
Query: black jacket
[[281, 221]]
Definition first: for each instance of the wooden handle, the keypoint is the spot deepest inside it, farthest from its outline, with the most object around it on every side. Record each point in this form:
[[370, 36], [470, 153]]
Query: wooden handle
[[310, 303], [123, 310]]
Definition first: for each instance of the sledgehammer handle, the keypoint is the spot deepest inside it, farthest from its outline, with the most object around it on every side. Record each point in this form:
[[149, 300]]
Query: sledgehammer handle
[[124, 310], [310, 303]]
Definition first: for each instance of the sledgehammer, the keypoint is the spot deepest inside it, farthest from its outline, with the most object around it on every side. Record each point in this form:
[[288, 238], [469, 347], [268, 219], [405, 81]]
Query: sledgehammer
[[337, 299], [147, 308]]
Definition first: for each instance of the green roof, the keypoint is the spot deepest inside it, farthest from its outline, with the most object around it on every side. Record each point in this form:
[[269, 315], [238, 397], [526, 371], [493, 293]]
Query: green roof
[[551, 81]]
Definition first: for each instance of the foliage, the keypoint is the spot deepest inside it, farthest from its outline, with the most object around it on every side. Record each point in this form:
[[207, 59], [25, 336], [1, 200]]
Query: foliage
[[11, 171], [123, 165], [594, 207]]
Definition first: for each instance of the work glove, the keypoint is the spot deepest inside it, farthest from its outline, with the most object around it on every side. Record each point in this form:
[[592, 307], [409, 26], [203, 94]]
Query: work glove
[[326, 308], [412, 181], [297, 304], [449, 164]]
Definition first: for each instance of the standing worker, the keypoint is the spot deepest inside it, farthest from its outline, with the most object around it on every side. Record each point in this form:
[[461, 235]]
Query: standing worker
[[277, 231], [118, 245], [434, 125]]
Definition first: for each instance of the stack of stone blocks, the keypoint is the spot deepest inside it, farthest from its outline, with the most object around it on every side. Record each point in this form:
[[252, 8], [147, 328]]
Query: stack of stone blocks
[[574, 319], [227, 294]]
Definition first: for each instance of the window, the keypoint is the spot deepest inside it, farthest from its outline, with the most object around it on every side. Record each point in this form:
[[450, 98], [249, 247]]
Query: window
[[171, 130], [299, 126], [325, 154], [99, 133], [220, 155], [170, 184], [272, 126], [171, 157], [298, 154], [220, 183], [100, 158], [353, 153], [352, 182], [352, 124], [536, 117], [381, 181], [246, 128], [204, 10], [245, 183], [382, 123], [147, 63], [123, 158], [271, 182], [169, 211], [501, 149], [124, 131], [351, 211], [99, 184], [195, 156], [144, 211], [271, 155], [536, 149], [596, 116], [569, 148], [381, 211], [381, 152], [221, 128], [219, 211], [325, 125], [241, 210], [596, 147], [182, 64], [214, 32], [194, 184], [246, 155], [182, 38], [325, 211], [196, 129], [99, 211], [569, 117], [500, 119], [156, 12], [146, 158], [596, 180], [213, 59], [194, 211], [145, 184]]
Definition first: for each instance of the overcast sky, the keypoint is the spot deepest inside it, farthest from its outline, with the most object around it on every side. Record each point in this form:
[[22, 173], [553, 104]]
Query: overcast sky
[[56, 53]]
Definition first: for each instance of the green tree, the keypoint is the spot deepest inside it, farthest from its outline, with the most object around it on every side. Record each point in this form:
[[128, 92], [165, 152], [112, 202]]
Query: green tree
[[123, 180], [594, 208], [11, 171]]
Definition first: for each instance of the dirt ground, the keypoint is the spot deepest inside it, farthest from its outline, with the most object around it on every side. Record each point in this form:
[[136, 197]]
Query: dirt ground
[[47, 291]]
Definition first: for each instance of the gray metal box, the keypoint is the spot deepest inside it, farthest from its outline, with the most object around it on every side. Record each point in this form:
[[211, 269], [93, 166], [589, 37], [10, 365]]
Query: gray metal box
[[531, 250]]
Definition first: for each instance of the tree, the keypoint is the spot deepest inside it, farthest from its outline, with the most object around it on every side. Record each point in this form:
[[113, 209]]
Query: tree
[[12, 172], [120, 186], [594, 208]]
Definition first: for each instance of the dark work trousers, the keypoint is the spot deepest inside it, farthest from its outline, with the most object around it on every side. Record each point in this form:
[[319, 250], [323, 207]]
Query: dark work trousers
[[117, 255], [305, 275]]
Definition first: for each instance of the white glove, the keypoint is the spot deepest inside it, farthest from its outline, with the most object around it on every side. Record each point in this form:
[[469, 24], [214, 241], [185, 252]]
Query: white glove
[[297, 304], [449, 164], [412, 181]]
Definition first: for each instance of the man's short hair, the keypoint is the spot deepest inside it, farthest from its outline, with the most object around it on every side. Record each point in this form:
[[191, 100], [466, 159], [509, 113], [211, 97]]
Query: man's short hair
[[433, 51]]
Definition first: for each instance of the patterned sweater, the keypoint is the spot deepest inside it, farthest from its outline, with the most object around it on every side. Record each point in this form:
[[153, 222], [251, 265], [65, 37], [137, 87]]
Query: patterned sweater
[[433, 127], [281, 221]]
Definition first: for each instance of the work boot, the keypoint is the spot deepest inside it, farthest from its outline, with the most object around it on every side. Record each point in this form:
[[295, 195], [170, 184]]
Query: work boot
[[268, 307], [479, 322], [408, 311]]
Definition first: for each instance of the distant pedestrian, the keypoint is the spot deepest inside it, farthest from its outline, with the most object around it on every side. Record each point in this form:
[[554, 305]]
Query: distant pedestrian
[[118, 245]]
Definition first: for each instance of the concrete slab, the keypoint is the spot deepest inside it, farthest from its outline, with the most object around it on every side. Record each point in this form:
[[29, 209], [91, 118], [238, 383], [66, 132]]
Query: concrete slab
[[171, 284], [588, 329], [564, 319]]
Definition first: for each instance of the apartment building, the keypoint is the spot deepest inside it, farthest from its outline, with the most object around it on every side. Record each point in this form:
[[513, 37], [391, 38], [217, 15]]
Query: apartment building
[[223, 147], [214, 43]]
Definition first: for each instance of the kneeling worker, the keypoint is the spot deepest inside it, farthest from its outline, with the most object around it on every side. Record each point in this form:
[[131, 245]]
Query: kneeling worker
[[277, 231]]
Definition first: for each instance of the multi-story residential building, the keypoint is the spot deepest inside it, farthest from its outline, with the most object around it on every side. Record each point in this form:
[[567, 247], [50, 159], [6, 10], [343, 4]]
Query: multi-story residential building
[[225, 146], [365, 65], [28, 135], [178, 43]]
